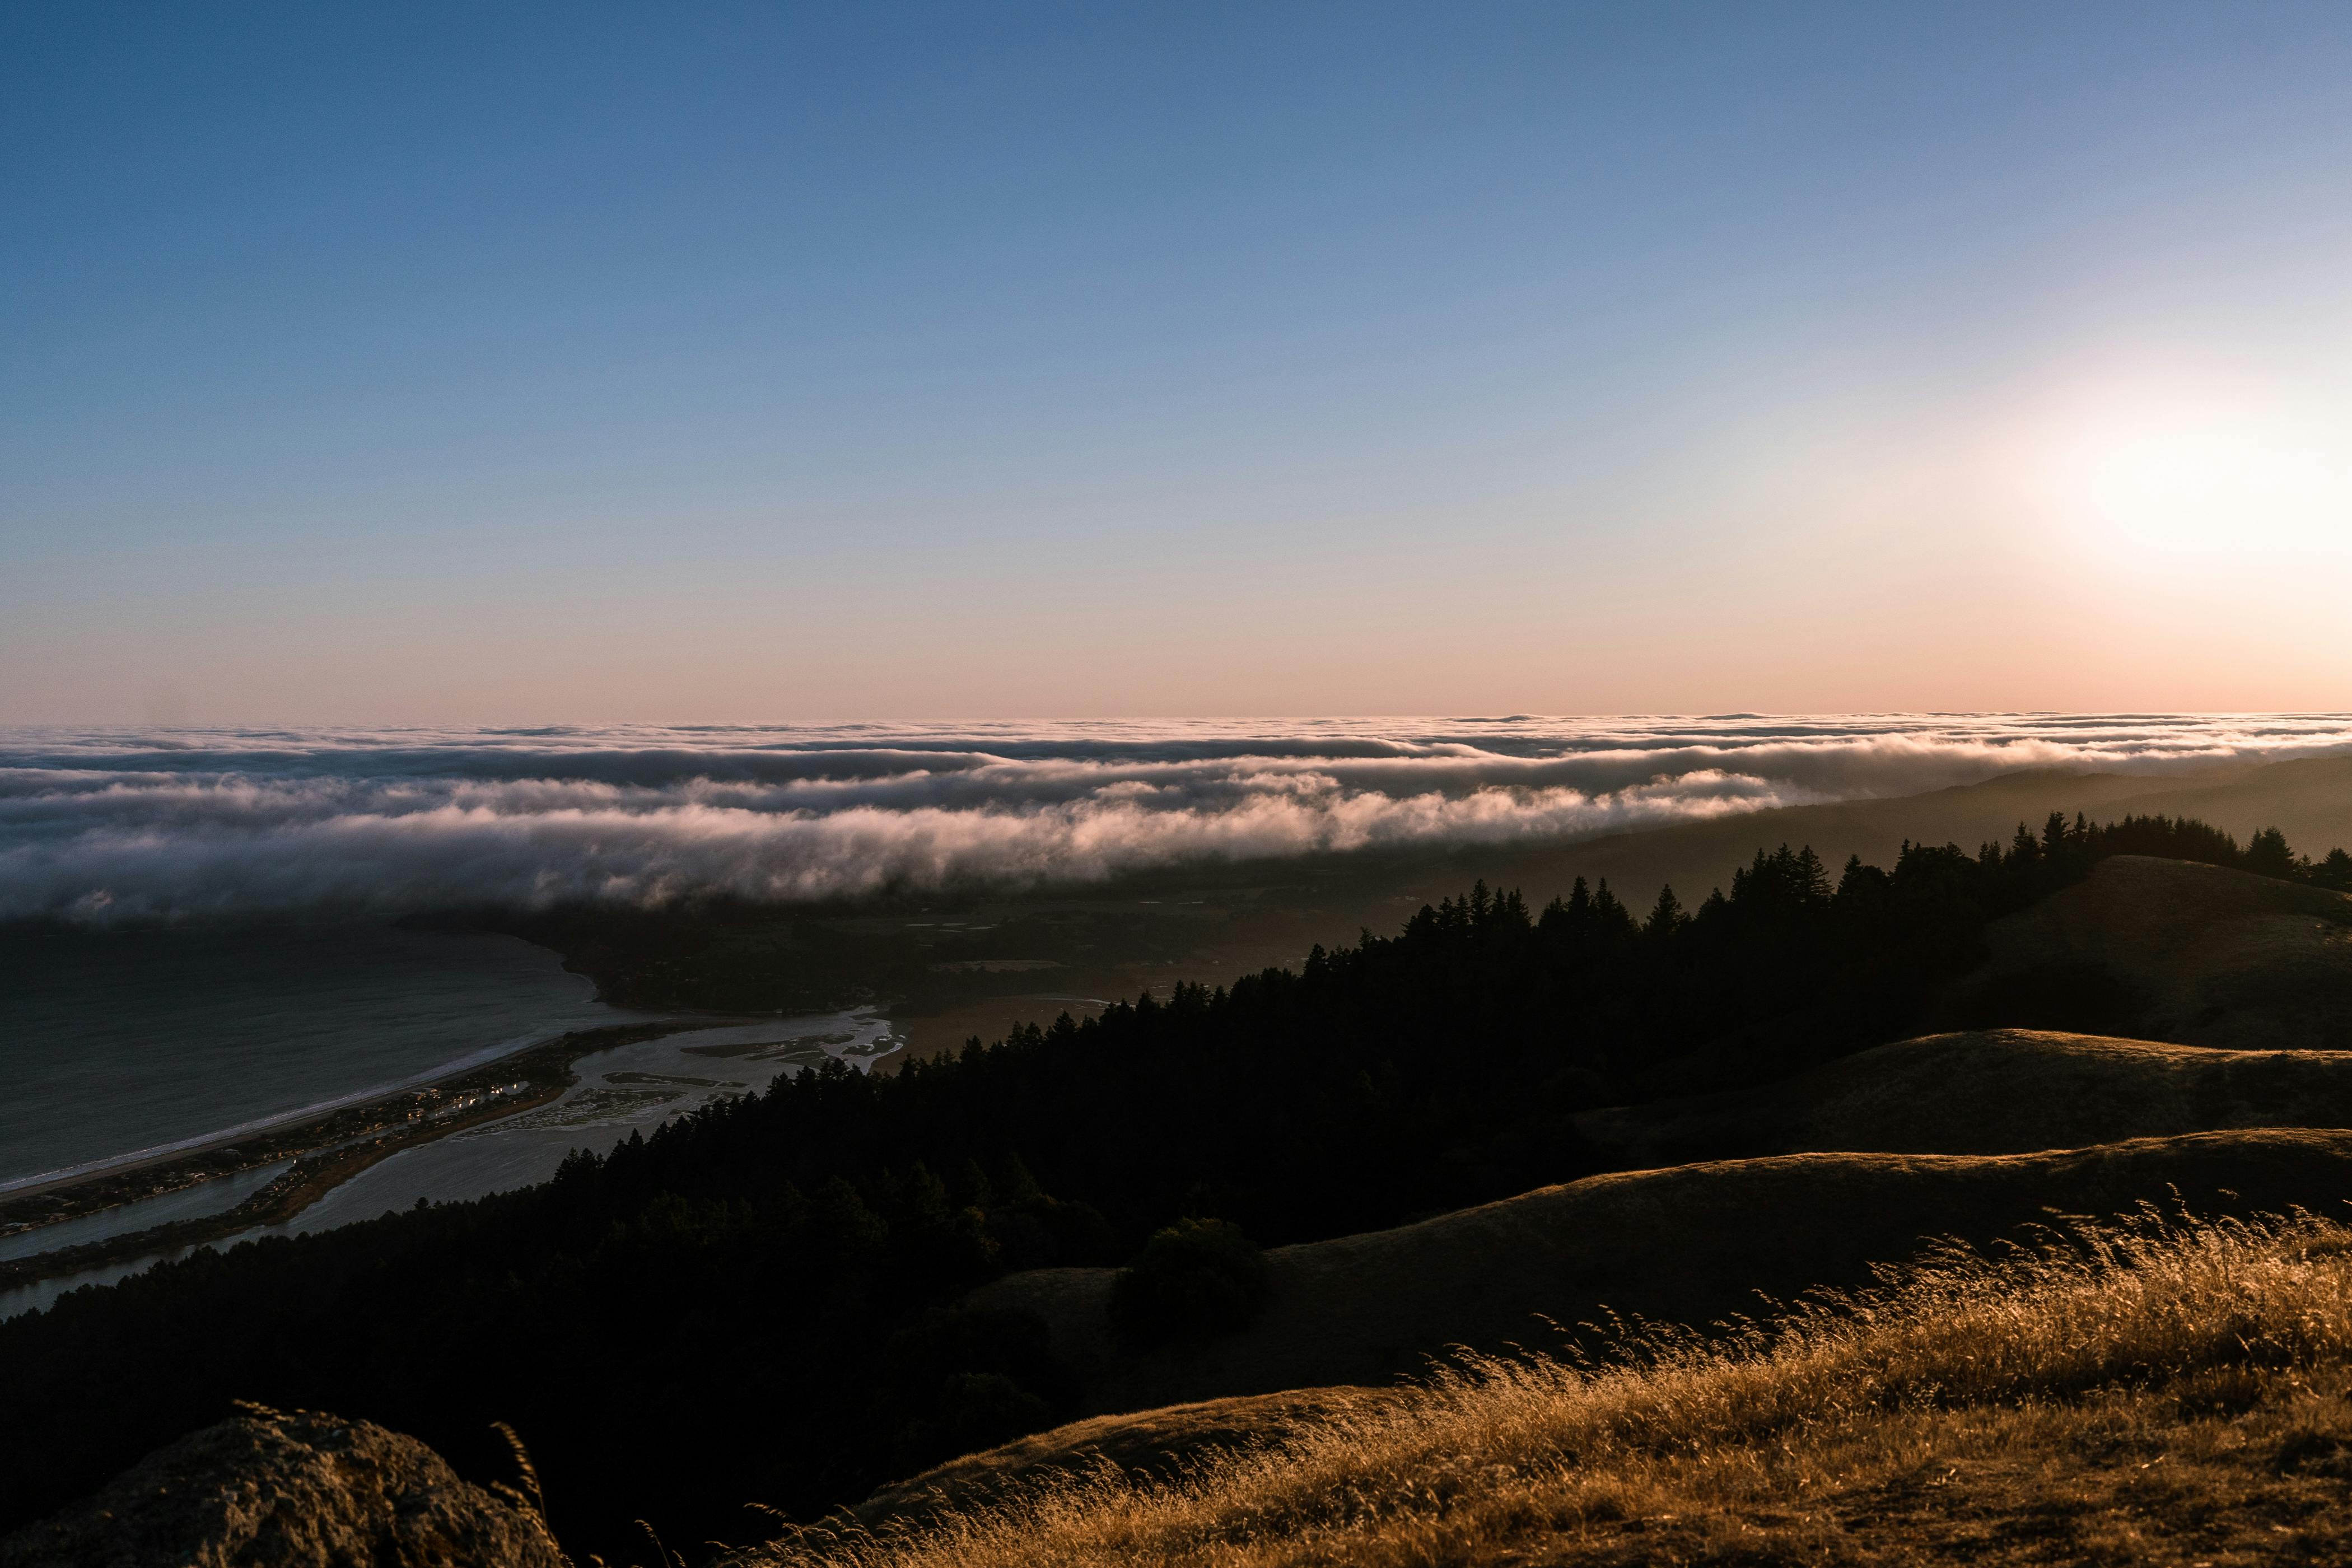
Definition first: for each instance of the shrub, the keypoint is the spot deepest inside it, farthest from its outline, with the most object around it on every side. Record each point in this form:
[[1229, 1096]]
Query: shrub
[[1193, 1282]]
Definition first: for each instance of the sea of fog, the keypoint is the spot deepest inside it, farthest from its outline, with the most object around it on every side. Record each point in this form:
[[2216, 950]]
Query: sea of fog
[[194, 922], [104, 828]]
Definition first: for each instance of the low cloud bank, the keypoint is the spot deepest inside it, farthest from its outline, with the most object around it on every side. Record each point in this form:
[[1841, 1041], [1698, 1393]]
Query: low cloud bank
[[104, 827]]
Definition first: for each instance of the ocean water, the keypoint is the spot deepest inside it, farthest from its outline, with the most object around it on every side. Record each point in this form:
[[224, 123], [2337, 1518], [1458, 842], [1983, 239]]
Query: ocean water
[[41, 1295], [199, 1202], [628, 1089], [114, 1040]]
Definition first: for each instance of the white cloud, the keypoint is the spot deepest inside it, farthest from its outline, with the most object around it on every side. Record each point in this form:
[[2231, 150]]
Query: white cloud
[[194, 824]]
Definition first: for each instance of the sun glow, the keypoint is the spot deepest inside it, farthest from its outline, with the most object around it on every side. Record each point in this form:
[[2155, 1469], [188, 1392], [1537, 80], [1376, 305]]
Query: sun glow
[[2212, 474]]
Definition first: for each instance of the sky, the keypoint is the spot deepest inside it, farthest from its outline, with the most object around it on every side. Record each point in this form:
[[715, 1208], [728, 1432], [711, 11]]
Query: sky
[[481, 364]]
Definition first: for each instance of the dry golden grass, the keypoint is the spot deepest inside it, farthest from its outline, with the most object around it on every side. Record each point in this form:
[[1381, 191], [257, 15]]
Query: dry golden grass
[[1990, 1091], [2175, 1392], [2202, 956]]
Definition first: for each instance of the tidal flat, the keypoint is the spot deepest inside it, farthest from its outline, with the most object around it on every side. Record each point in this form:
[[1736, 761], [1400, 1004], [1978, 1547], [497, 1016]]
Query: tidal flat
[[589, 1090]]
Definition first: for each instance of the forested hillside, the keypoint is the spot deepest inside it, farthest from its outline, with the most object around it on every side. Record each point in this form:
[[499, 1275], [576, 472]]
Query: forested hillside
[[757, 1303]]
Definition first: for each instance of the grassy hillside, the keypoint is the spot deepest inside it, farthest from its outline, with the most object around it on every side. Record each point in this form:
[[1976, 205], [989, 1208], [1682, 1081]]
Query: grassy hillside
[[2171, 949], [1687, 1244], [2174, 1395], [1166, 1441], [1995, 1091], [642, 1319]]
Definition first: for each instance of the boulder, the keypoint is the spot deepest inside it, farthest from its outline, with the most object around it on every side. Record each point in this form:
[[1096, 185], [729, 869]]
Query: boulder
[[272, 1489]]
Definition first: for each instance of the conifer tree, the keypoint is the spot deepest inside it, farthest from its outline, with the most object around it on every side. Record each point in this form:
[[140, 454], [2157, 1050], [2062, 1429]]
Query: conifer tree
[[2267, 854]]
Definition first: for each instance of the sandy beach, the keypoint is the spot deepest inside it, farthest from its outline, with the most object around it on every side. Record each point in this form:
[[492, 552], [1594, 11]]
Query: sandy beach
[[498, 1125], [327, 1146]]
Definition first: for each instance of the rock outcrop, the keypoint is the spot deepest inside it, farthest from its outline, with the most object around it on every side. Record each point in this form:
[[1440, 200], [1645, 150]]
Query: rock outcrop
[[274, 1489]]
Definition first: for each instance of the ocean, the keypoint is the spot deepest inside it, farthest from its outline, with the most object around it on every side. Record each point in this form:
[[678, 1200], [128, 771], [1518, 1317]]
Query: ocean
[[116, 1040]]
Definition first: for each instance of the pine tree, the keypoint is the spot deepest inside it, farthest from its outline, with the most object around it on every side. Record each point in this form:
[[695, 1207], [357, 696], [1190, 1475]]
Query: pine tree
[[2267, 854]]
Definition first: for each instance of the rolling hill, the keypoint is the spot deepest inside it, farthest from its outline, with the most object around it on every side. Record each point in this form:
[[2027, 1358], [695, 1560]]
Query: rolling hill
[[1687, 1244], [2171, 950], [1998, 1091]]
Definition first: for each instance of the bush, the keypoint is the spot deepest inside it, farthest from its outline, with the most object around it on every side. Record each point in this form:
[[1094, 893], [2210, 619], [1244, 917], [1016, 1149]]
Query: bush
[[1195, 1281], [974, 1411]]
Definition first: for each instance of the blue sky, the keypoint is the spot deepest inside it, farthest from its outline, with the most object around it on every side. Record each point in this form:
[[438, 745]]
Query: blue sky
[[495, 363]]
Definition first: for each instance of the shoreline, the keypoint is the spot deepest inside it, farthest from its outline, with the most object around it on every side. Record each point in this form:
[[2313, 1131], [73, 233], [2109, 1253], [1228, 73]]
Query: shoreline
[[329, 1147], [46, 1182]]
